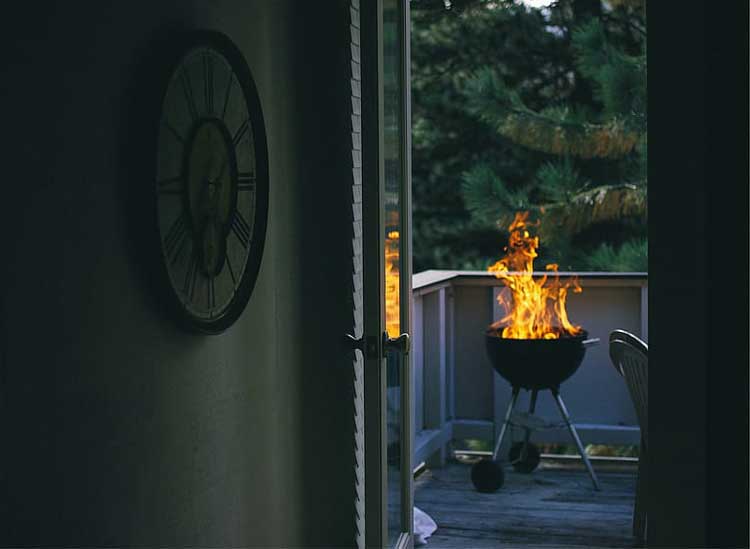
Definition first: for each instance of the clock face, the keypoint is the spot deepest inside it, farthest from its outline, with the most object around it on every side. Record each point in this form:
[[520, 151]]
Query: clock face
[[211, 185]]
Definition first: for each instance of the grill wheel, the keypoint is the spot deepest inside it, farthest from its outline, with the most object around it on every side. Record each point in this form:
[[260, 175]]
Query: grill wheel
[[487, 476]]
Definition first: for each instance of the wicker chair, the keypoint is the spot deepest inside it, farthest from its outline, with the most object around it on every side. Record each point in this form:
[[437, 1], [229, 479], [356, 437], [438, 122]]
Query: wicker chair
[[630, 358]]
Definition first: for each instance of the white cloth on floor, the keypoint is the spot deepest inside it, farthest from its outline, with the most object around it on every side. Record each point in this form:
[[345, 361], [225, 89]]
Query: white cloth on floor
[[424, 526]]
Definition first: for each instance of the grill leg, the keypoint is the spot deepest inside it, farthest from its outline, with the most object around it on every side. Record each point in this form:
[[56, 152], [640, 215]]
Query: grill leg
[[508, 413], [576, 438], [527, 435]]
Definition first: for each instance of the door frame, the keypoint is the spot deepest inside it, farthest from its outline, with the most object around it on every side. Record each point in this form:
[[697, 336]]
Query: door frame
[[373, 218], [373, 184], [407, 303]]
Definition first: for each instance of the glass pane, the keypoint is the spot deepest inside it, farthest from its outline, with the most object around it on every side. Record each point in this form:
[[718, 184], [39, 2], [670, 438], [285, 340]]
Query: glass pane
[[392, 203]]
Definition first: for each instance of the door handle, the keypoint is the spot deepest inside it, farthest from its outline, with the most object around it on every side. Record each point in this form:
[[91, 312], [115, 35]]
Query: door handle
[[402, 343], [355, 342], [367, 345]]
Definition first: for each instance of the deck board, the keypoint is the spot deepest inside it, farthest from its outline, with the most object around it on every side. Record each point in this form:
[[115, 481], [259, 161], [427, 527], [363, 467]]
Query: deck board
[[551, 507]]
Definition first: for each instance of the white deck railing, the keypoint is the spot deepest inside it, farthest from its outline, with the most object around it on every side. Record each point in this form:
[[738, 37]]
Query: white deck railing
[[458, 395]]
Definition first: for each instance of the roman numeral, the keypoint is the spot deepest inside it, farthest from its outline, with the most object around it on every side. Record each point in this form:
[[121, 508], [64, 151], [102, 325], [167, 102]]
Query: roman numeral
[[245, 181], [226, 96], [231, 270], [188, 286], [208, 82], [175, 238], [174, 132], [211, 296], [241, 133], [187, 89], [241, 229], [171, 185]]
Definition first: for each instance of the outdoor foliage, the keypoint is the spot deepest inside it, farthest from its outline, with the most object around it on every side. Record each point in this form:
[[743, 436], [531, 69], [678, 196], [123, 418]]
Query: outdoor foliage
[[517, 108]]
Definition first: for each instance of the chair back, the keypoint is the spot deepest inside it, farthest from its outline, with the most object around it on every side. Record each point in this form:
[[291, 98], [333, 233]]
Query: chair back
[[629, 356]]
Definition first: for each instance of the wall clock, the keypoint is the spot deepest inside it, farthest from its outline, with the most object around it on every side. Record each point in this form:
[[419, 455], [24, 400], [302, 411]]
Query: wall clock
[[211, 184]]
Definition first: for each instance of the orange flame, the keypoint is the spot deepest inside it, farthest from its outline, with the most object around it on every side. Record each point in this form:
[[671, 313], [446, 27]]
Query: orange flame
[[392, 289], [535, 309]]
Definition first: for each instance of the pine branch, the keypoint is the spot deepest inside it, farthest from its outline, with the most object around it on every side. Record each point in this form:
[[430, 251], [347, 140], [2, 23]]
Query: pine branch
[[627, 23], [598, 205], [558, 182], [631, 256], [493, 103], [545, 134], [620, 79], [638, 4], [486, 195]]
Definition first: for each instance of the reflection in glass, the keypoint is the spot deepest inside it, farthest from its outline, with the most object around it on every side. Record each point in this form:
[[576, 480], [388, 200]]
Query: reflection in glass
[[392, 310]]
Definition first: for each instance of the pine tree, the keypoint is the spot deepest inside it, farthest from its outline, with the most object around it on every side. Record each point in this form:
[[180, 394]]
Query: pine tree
[[449, 46], [588, 187]]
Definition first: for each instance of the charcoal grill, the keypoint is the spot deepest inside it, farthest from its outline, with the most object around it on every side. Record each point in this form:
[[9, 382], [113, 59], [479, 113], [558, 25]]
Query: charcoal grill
[[534, 365]]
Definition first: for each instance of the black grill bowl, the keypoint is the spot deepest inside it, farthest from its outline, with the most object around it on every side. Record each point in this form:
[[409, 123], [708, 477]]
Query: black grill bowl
[[536, 363]]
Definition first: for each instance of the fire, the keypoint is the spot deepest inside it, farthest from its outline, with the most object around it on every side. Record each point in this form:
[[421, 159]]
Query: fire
[[535, 308], [392, 289]]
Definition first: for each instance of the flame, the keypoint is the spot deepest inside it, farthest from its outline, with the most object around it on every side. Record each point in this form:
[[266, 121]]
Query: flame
[[392, 288], [534, 309]]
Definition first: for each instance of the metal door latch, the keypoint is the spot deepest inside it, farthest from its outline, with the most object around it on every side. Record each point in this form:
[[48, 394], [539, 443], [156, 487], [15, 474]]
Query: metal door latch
[[355, 342], [401, 343], [368, 346]]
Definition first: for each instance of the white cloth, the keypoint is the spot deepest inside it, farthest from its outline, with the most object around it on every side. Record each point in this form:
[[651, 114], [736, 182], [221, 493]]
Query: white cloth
[[424, 526]]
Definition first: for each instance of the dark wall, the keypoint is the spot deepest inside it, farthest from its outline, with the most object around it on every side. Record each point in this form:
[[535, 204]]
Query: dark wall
[[117, 427], [323, 273], [698, 275]]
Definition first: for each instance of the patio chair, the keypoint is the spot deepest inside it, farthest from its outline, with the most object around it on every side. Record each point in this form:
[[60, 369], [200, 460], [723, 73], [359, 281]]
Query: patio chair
[[630, 358]]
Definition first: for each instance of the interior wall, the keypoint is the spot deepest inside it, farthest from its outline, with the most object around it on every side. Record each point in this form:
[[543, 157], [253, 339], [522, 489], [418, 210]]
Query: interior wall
[[117, 427]]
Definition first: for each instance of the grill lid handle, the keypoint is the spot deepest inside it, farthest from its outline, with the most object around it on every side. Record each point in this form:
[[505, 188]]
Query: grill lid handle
[[590, 342]]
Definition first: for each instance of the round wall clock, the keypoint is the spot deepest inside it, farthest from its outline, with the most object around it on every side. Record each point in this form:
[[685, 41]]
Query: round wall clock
[[211, 184]]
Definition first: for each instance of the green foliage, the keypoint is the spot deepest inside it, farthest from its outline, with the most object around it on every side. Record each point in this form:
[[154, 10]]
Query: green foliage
[[620, 78], [559, 130], [516, 108], [631, 256], [448, 48], [558, 182], [608, 450], [483, 191]]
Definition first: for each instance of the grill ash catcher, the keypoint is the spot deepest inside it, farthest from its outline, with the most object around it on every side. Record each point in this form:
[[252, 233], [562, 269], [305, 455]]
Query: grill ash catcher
[[534, 365]]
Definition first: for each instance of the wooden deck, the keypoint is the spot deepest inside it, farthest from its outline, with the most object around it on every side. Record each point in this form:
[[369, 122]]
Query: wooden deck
[[555, 506]]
